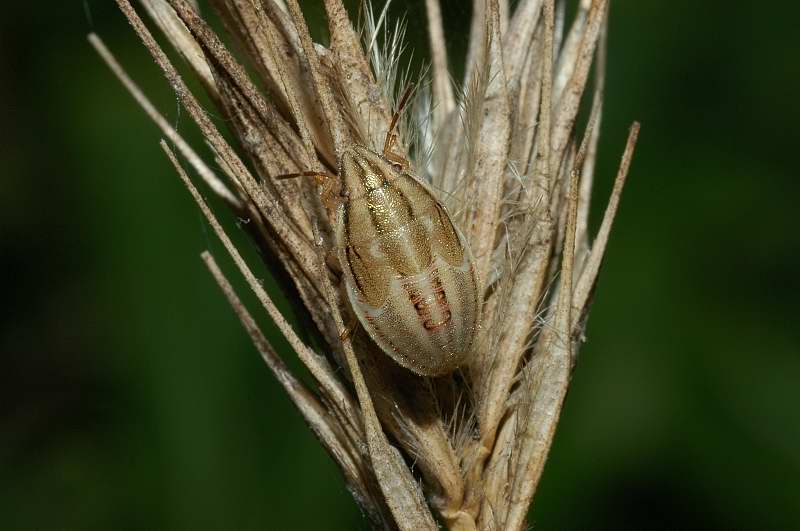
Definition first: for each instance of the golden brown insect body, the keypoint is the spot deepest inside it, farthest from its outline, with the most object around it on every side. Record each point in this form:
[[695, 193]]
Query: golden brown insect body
[[409, 271]]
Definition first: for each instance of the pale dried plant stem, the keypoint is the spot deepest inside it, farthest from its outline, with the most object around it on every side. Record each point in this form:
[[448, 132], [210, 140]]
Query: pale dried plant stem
[[282, 137], [271, 36], [317, 365], [291, 96], [348, 413], [298, 245], [568, 104], [588, 278], [324, 426], [531, 274], [346, 46], [180, 38], [587, 179], [194, 159], [266, 203], [220, 55], [551, 368], [477, 37], [442, 89], [321, 88], [491, 155], [521, 30]]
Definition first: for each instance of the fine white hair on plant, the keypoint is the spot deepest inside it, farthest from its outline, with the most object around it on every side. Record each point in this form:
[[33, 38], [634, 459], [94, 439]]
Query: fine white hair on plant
[[502, 158]]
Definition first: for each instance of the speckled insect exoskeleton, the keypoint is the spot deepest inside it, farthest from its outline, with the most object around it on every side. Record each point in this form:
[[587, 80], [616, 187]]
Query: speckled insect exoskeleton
[[408, 270]]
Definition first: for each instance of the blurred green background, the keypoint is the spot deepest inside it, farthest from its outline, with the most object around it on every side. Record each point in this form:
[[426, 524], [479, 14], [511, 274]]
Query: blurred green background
[[132, 399]]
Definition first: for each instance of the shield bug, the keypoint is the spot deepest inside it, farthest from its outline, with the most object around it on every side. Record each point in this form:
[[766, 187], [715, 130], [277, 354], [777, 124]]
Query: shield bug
[[408, 270]]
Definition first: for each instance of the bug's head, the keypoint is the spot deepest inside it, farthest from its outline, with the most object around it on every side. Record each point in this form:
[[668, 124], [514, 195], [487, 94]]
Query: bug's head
[[363, 170]]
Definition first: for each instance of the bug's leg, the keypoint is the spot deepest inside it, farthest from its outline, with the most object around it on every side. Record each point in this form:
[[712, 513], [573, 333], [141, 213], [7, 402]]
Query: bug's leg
[[348, 332], [393, 157], [332, 261], [324, 179], [391, 136], [330, 193], [319, 176]]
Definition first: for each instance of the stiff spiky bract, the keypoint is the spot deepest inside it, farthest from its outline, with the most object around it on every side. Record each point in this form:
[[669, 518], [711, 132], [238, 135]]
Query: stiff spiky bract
[[499, 151]]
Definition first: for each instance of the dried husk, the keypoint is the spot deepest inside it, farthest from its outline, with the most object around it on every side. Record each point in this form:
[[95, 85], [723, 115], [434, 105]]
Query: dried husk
[[466, 449]]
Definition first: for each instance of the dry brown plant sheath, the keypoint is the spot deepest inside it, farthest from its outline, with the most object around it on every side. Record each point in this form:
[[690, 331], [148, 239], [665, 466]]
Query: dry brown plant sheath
[[502, 154]]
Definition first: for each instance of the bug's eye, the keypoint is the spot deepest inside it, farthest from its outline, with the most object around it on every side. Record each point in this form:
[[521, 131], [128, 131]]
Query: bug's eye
[[397, 166]]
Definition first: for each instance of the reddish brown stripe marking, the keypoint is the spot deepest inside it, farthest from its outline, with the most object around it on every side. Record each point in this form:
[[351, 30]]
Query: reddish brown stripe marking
[[432, 326], [422, 305], [444, 306], [438, 290], [419, 303], [349, 252]]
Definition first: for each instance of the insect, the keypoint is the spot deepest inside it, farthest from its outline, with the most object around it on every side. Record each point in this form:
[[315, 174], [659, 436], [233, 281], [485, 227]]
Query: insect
[[408, 270]]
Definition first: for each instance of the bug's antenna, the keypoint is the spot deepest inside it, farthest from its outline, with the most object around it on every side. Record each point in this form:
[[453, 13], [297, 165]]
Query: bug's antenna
[[390, 136], [319, 175]]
